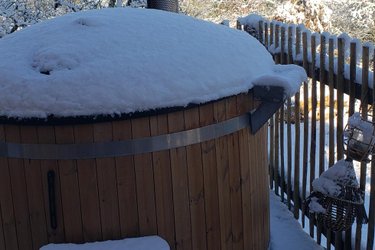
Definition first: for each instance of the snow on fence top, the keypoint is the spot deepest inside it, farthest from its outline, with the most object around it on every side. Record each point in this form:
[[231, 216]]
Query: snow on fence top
[[124, 60], [254, 21]]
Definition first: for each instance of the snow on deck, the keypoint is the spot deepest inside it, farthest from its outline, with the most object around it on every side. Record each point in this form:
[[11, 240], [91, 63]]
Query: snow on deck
[[141, 243], [124, 60]]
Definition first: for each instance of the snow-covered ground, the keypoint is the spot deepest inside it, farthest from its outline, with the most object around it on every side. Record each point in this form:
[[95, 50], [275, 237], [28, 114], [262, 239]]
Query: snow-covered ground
[[286, 232]]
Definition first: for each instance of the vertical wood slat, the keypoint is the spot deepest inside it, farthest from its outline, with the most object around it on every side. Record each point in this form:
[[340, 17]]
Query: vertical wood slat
[[282, 153], [247, 192], [145, 184], [340, 92], [34, 191], [196, 185], [364, 110], [296, 190], [2, 239], [235, 179], [260, 31], [313, 123], [277, 42], [6, 203], [371, 222], [305, 122], [290, 45], [163, 183], [210, 182], [46, 135], [277, 152], [331, 75], [272, 151], [322, 106], [126, 184], [331, 132], [180, 186], [88, 189], [222, 164], [266, 36], [289, 153], [19, 190], [340, 111], [69, 188], [353, 73], [107, 185]]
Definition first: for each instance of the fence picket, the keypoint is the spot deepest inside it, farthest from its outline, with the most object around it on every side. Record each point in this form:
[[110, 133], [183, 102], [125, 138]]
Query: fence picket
[[305, 120], [371, 223]]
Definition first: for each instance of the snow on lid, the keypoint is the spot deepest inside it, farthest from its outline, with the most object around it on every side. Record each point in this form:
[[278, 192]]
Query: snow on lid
[[124, 60], [141, 243]]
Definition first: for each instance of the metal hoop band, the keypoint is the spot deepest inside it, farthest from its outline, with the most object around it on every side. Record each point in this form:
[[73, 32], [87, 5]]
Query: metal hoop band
[[124, 148]]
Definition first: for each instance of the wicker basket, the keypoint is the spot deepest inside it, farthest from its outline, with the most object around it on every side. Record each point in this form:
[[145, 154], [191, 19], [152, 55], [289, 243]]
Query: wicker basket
[[340, 212]]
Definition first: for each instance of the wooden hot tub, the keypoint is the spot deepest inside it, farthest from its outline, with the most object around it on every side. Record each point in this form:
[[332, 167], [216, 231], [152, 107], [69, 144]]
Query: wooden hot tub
[[209, 194]]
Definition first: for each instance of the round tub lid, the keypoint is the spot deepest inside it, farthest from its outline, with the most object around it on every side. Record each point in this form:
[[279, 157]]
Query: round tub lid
[[124, 60]]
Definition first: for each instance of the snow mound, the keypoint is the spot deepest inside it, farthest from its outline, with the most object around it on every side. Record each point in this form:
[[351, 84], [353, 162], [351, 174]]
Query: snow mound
[[141, 243], [333, 179], [124, 60]]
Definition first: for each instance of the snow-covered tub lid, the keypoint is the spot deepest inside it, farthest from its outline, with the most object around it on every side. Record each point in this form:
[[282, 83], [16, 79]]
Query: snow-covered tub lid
[[141, 243], [123, 60]]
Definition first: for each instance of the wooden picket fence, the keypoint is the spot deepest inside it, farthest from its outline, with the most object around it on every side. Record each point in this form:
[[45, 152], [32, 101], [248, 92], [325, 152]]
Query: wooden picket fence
[[325, 59]]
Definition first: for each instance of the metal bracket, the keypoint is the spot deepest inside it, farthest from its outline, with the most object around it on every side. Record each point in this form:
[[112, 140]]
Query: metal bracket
[[272, 98]]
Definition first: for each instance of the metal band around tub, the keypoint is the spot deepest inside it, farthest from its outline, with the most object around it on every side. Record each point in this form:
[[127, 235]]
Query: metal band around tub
[[126, 147]]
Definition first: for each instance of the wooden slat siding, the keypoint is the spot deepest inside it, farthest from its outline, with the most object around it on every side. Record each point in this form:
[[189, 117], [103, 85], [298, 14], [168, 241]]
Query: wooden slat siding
[[210, 182], [196, 185], [305, 159], [46, 135], [6, 203], [69, 188], [340, 112], [19, 191], [223, 181], [322, 120], [371, 222], [331, 74], [313, 124], [289, 155], [88, 188], [180, 186], [264, 196], [163, 183], [2, 240], [107, 186], [296, 191], [144, 175], [247, 193], [353, 73], [276, 172], [340, 98], [235, 178], [364, 110], [298, 41], [126, 184], [34, 191]]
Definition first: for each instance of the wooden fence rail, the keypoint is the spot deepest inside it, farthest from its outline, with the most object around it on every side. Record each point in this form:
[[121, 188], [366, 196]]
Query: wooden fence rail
[[340, 75]]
